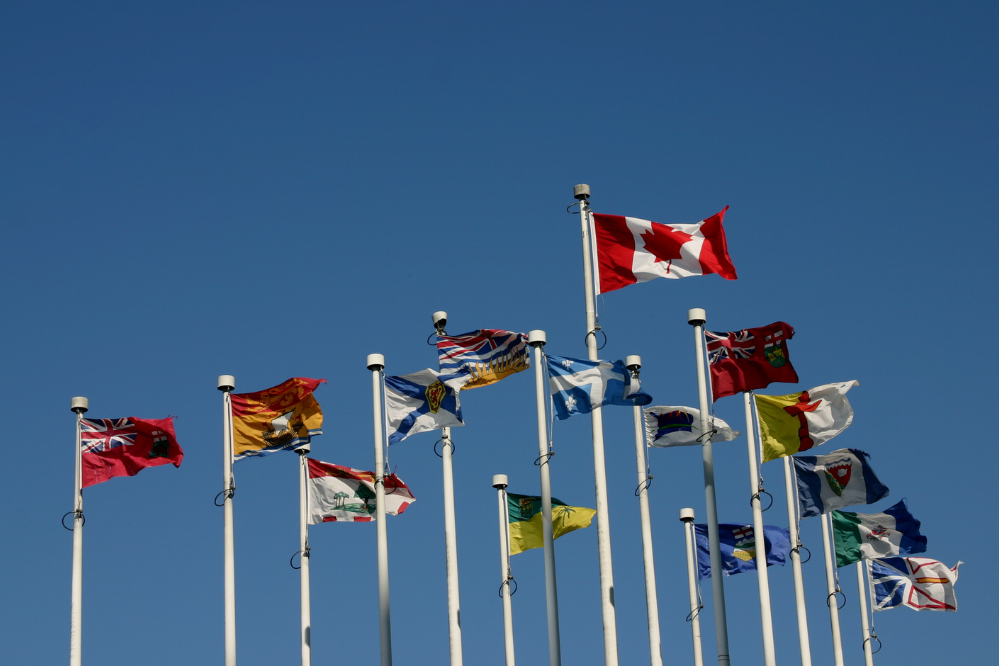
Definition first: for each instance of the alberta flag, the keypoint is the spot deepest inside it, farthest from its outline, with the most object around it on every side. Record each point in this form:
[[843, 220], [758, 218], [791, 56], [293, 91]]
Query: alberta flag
[[865, 536], [842, 478], [423, 401], [578, 386], [738, 548], [681, 426], [917, 582]]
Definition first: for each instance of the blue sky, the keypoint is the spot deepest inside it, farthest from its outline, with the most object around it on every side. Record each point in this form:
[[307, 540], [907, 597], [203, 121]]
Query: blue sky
[[269, 191]]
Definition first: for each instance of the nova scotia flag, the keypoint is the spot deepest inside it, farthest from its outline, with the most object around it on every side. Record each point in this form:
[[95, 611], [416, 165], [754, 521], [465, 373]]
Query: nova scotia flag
[[423, 401], [578, 386]]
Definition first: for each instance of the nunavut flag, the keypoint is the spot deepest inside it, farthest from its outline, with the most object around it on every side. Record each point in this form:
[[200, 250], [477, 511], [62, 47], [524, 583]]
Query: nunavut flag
[[124, 447], [800, 421], [283, 417]]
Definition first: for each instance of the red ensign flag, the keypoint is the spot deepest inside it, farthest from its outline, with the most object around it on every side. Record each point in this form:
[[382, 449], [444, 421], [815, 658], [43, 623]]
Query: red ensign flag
[[124, 447]]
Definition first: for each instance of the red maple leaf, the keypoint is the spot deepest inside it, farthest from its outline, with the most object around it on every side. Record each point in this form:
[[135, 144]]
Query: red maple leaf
[[664, 243]]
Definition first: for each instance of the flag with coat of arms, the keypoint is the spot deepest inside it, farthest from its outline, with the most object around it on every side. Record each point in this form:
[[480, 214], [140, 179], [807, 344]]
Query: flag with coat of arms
[[681, 426], [422, 401], [578, 386], [487, 354], [125, 447], [738, 548], [841, 478]]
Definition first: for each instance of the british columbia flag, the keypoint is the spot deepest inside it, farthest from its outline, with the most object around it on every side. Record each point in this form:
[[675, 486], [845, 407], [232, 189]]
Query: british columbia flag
[[98, 435], [734, 345], [488, 354]]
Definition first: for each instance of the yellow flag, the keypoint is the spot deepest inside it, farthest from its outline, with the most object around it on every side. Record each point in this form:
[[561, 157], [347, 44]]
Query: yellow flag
[[800, 421], [525, 521], [283, 417]]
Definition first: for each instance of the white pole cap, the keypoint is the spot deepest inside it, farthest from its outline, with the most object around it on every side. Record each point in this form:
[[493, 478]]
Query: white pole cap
[[581, 192], [440, 319], [499, 481], [633, 362], [696, 317], [227, 383], [687, 515], [79, 404], [376, 361], [303, 449], [537, 338]]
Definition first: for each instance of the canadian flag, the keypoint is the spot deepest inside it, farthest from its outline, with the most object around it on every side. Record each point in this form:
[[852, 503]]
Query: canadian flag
[[631, 250]]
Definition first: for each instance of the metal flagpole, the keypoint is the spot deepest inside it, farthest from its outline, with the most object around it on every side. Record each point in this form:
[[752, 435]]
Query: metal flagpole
[[831, 591], [609, 614], [500, 484], [376, 363], [864, 625], [696, 318], [634, 364], [450, 533], [799, 584], [763, 577], [78, 405], [226, 383], [303, 545], [537, 340], [687, 517]]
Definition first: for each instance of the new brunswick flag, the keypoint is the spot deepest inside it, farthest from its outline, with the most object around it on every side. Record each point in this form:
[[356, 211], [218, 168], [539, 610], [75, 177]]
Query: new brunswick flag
[[283, 417], [525, 521]]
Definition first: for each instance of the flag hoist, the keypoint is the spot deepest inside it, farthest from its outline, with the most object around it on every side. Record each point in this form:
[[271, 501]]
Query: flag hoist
[[79, 405], [634, 365], [696, 318], [687, 518], [500, 483], [582, 193], [303, 545], [226, 384], [376, 364], [537, 340]]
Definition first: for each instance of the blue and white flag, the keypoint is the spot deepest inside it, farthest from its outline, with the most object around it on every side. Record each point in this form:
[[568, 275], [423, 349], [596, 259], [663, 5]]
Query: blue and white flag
[[423, 401], [681, 426], [738, 548], [867, 536], [488, 355], [917, 582], [841, 478], [578, 386]]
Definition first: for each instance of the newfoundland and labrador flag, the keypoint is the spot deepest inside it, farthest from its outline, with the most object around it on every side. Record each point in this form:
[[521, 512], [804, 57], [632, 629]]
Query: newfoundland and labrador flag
[[738, 548], [865, 536], [279, 418], [800, 421], [631, 250], [578, 386], [488, 355], [749, 359], [525, 521], [342, 494], [125, 447], [917, 582], [681, 426], [423, 401], [842, 478]]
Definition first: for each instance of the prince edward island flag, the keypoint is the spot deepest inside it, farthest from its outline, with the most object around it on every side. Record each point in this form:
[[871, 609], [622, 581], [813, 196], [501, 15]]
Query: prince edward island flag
[[578, 386]]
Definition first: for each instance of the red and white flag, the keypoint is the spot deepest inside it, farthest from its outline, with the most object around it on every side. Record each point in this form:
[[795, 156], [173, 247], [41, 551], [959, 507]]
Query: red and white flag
[[631, 250]]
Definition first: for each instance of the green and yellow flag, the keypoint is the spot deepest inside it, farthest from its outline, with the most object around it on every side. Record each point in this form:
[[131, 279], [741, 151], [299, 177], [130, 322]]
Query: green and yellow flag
[[525, 521]]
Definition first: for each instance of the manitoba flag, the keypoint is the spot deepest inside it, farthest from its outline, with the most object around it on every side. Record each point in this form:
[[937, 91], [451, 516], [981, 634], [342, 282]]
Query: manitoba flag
[[631, 250], [124, 447]]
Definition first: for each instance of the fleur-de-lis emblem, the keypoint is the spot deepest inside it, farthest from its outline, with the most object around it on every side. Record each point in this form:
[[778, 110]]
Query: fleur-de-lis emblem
[[566, 363], [570, 403]]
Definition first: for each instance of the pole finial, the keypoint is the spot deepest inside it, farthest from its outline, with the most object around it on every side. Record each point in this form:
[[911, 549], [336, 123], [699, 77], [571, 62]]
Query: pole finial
[[687, 515], [79, 404], [227, 383], [581, 192], [500, 481], [537, 338], [376, 362], [633, 362], [440, 321], [696, 317]]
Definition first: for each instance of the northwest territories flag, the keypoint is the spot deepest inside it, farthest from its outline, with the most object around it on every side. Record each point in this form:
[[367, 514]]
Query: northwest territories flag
[[917, 582], [681, 426], [738, 548], [423, 401], [842, 478], [488, 355], [578, 386], [865, 536], [342, 494], [525, 521]]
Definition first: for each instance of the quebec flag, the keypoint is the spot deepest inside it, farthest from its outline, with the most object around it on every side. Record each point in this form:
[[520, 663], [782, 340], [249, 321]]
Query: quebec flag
[[578, 386], [423, 401]]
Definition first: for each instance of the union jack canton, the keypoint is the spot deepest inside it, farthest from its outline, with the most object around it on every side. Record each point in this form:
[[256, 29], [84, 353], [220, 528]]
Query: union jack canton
[[98, 435]]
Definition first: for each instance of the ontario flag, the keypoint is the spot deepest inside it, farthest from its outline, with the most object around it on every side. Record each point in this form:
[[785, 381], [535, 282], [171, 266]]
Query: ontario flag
[[749, 359], [124, 447], [631, 250]]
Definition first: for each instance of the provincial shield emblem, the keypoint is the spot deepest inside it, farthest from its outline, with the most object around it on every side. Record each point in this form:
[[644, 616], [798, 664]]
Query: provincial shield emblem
[[775, 354], [435, 395], [838, 475]]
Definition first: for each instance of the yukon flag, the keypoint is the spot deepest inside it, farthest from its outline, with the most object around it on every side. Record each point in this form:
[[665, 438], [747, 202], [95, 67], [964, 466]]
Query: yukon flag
[[342, 494], [631, 250]]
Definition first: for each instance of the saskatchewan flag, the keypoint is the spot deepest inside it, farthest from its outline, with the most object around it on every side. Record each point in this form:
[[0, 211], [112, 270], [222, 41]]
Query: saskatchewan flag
[[525, 521]]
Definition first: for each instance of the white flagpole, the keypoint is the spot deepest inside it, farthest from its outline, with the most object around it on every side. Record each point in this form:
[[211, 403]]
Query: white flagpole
[[450, 532], [864, 625], [831, 599], [696, 318], [303, 545], [799, 584], [634, 364], [687, 517], [537, 340], [608, 612], [763, 576], [226, 383], [376, 363], [500, 483], [79, 405]]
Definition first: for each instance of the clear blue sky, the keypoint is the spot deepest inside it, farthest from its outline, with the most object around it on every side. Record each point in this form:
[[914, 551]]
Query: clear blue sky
[[272, 190]]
